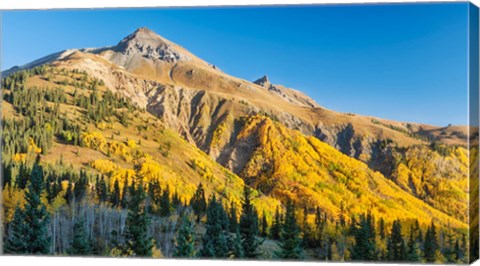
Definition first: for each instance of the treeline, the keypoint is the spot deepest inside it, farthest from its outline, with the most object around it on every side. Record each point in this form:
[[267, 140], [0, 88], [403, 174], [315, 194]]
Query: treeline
[[78, 214], [42, 120]]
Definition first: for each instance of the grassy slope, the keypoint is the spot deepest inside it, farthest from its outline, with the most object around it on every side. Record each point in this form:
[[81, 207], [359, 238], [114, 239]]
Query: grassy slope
[[197, 76], [182, 165], [284, 164]]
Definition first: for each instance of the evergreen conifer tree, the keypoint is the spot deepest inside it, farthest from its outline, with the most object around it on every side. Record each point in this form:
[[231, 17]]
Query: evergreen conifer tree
[[69, 193], [264, 231], [199, 202], [396, 247], [232, 218], [80, 188], [80, 243], [115, 195], [291, 247], [124, 199], [364, 234], [413, 247], [249, 225], [430, 246], [102, 190], [458, 251], [276, 226], [381, 230], [185, 246], [15, 241], [29, 233], [137, 239], [215, 239], [237, 245], [165, 204]]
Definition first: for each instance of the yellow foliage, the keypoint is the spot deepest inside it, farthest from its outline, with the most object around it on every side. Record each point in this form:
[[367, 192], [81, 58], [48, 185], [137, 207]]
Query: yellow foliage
[[122, 176], [156, 253], [20, 157], [104, 125], [11, 198], [64, 185], [217, 134], [119, 149], [32, 147], [131, 144], [94, 140], [150, 170], [441, 181], [310, 172], [104, 166]]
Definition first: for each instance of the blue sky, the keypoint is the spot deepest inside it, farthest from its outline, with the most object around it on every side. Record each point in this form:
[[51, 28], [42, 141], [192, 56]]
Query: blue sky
[[405, 62]]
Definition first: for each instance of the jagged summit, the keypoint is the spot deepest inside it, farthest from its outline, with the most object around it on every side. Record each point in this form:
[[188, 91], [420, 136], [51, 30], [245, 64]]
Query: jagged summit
[[148, 44], [145, 29], [263, 81]]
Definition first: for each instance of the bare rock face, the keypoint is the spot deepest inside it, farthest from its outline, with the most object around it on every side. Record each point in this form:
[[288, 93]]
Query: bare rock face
[[204, 104], [263, 82], [144, 42]]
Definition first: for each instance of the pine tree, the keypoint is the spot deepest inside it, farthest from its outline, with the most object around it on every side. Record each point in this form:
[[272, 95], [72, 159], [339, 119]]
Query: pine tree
[[319, 238], [102, 190], [185, 246], [80, 186], [418, 233], [7, 175], [291, 247], [413, 247], [199, 203], [396, 245], [307, 239], [176, 202], [154, 194], [381, 230], [449, 249], [458, 251], [69, 193], [15, 241], [430, 247], [136, 235], [124, 199], [276, 226], [264, 232], [249, 225], [22, 177], [232, 218], [237, 245], [215, 239], [364, 234], [115, 195], [80, 243], [165, 204], [29, 229]]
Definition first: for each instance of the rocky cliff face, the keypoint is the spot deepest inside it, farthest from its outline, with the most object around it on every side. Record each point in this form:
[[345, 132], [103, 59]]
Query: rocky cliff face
[[147, 44], [204, 104]]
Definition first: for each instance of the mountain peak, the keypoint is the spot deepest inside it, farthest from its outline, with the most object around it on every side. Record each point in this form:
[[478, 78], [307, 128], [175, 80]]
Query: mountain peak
[[263, 81], [144, 29], [148, 44]]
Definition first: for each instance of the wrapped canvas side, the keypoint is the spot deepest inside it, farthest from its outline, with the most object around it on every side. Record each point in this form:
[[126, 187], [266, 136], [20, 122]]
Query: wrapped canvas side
[[473, 132]]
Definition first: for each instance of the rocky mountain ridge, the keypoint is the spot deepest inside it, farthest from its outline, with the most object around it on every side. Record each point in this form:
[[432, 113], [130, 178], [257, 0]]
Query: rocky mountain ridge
[[204, 104]]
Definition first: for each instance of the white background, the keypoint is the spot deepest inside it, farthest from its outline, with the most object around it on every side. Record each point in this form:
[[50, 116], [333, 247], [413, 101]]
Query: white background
[[48, 4]]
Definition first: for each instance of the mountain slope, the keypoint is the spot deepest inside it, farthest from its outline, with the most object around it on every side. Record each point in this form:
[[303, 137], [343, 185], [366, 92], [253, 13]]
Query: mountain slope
[[279, 162], [206, 107], [155, 60], [284, 163]]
